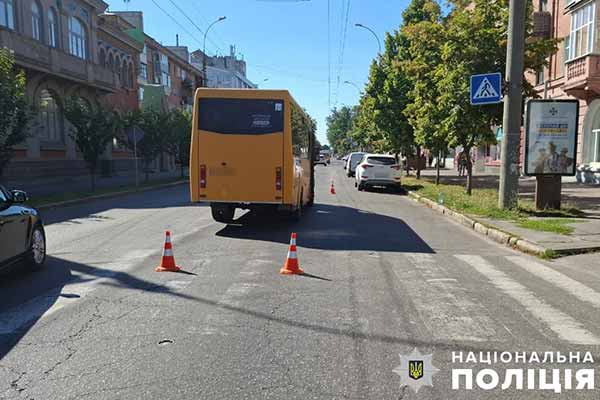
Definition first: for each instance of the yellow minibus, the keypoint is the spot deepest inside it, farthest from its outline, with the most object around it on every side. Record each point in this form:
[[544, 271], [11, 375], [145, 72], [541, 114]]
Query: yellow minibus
[[251, 149]]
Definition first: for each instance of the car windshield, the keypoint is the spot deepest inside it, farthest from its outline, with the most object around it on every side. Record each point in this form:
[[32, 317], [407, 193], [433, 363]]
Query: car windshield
[[381, 160]]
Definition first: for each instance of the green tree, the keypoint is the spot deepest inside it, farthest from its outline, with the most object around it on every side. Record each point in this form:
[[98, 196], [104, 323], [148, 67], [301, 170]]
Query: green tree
[[15, 112], [339, 128], [179, 138], [390, 90], [155, 126], [93, 128], [426, 39], [475, 42]]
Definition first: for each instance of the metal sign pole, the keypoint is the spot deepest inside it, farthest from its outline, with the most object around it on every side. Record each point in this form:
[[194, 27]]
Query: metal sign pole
[[137, 182]]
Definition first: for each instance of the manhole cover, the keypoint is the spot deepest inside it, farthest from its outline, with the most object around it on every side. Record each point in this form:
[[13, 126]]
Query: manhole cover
[[165, 342]]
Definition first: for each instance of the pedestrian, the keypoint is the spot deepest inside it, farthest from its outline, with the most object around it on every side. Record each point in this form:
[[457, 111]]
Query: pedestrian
[[462, 163]]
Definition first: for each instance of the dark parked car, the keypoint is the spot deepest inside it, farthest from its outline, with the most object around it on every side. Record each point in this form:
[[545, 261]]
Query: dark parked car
[[22, 236]]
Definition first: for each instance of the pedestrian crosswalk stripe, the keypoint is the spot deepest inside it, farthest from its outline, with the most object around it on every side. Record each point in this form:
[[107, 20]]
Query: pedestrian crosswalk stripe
[[442, 302], [573, 287], [567, 328], [485, 91]]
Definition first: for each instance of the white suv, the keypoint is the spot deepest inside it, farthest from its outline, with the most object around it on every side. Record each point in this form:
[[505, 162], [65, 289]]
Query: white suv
[[378, 170]]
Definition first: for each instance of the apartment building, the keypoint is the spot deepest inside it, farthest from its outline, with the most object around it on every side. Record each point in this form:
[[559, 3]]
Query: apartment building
[[574, 71], [65, 49], [166, 77], [77, 49], [224, 71]]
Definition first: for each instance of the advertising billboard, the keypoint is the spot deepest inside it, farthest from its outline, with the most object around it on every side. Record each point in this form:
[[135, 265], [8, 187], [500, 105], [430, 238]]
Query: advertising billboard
[[551, 137]]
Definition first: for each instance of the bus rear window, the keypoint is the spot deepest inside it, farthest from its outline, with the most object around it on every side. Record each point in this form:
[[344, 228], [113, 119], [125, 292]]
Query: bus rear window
[[240, 116]]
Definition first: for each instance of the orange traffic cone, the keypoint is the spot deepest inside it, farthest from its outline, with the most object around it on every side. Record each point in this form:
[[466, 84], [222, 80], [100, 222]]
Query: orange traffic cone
[[167, 264], [332, 188], [291, 266]]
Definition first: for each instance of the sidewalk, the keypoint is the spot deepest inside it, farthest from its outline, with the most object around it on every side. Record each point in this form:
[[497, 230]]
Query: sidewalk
[[586, 230], [81, 184]]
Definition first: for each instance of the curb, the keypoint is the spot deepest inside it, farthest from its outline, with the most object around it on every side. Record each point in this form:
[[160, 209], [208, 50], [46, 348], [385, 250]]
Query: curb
[[108, 195], [492, 233]]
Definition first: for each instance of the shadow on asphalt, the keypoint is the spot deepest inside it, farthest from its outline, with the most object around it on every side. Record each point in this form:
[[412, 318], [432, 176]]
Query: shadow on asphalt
[[171, 197], [20, 287], [32, 293], [331, 227]]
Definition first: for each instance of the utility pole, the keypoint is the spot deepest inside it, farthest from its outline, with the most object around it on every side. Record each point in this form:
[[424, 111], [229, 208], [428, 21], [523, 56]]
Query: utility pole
[[511, 126]]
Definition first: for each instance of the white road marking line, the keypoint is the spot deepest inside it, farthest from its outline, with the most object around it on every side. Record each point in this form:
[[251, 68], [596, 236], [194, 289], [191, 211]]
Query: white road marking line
[[573, 287], [54, 300], [443, 304], [232, 297], [236, 292], [43, 306], [567, 328]]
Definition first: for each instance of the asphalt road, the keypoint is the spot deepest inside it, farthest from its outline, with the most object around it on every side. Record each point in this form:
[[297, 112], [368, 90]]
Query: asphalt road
[[384, 275]]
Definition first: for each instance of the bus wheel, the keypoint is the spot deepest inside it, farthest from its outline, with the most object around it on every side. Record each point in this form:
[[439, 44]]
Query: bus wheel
[[222, 212]]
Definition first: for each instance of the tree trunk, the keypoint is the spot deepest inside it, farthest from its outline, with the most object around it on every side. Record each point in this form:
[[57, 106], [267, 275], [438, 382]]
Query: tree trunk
[[93, 178], [418, 160], [469, 173], [437, 168], [146, 171]]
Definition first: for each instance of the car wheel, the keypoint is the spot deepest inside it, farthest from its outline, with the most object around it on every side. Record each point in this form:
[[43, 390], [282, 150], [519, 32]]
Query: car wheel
[[36, 255], [361, 187], [223, 213]]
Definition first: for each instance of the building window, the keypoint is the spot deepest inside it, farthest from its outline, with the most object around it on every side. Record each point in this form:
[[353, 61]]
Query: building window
[[596, 145], [543, 5], [36, 21], [77, 38], [50, 118], [7, 14], [144, 71], [102, 57], [164, 67], [124, 75], [582, 31], [539, 77], [52, 28], [131, 72], [156, 70]]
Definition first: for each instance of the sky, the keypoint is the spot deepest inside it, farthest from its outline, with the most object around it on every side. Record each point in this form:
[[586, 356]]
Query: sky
[[284, 42]]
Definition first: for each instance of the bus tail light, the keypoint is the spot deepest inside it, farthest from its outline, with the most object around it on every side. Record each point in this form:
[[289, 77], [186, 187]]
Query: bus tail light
[[278, 177], [203, 177]]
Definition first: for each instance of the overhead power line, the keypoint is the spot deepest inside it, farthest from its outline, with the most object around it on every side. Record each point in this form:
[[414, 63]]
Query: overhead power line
[[194, 24], [176, 22]]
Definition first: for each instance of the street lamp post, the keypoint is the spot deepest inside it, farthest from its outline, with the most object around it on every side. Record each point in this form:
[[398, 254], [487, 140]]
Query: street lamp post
[[355, 85], [373, 32], [204, 50]]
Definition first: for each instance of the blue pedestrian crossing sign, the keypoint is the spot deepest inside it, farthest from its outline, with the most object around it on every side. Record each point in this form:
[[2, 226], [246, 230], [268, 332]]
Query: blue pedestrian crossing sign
[[486, 89]]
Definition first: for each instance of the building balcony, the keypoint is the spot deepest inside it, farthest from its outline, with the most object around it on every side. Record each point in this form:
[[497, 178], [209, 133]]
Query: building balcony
[[583, 76], [32, 54]]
